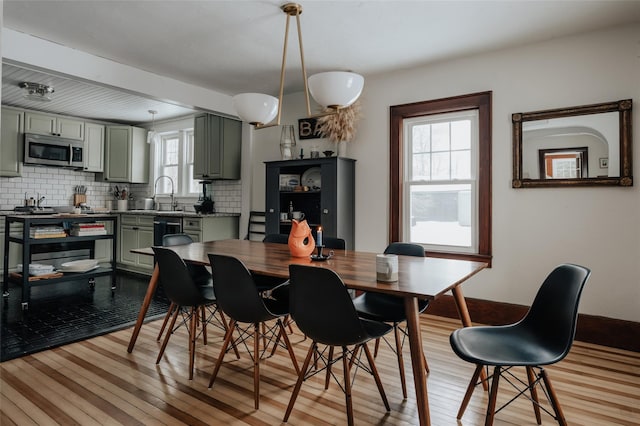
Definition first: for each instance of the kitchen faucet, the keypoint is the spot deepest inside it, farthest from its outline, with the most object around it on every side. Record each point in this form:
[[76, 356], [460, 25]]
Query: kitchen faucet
[[173, 203]]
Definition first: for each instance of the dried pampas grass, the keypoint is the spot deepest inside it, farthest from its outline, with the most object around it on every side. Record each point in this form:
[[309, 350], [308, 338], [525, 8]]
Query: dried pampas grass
[[341, 126]]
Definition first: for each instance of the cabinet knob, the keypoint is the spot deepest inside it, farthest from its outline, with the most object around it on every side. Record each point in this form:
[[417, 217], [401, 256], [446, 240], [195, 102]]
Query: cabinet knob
[[325, 211]]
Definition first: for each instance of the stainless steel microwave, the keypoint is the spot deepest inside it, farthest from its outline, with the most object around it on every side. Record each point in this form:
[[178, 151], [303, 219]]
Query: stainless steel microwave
[[43, 150]]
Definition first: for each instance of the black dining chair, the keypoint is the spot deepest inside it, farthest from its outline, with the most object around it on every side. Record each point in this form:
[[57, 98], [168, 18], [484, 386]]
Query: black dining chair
[[188, 298], [239, 298], [387, 308], [199, 273], [324, 311], [543, 337]]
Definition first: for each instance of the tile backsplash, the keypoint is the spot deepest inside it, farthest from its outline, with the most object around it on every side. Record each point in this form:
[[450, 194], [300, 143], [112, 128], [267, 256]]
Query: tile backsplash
[[57, 186]]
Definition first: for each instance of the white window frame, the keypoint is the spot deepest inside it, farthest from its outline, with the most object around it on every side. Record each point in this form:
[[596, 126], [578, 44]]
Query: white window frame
[[185, 167], [472, 181]]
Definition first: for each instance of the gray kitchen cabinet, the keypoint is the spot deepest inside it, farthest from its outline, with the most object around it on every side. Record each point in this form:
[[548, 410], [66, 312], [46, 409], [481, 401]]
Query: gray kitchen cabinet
[[217, 147], [126, 155], [46, 124], [93, 154], [11, 142], [329, 201], [211, 228], [136, 231]]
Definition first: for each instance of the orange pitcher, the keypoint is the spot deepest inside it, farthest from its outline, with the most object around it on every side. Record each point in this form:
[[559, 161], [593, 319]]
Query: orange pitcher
[[301, 242]]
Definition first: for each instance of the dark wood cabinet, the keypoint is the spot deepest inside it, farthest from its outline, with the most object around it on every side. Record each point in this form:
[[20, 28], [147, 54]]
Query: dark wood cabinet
[[329, 200]]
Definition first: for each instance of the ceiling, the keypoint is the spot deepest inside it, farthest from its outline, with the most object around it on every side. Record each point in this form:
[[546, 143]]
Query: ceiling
[[236, 46]]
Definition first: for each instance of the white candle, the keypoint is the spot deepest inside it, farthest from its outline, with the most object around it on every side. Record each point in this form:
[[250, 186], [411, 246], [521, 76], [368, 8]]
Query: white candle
[[319, 234]]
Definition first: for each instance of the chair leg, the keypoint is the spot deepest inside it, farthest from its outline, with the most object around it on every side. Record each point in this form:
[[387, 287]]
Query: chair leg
[[227, 338], [376, 347], [193, 319], [403, 381], [287, 342], [531, 376], [493, 396], [469, 392], [303, 372], [327, 378], [256, 363], [376, 376], [168, 335], [166, 319], [553, 398], [347, 386], [226, 328], [203, 310]]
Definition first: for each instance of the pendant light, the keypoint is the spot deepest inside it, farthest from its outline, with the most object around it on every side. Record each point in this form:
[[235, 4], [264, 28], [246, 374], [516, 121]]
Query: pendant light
[[333, 90], [152, 134]]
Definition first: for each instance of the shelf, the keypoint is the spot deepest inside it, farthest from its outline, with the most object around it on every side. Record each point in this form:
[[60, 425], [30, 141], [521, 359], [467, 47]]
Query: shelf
[[36, 241], [66, 276]]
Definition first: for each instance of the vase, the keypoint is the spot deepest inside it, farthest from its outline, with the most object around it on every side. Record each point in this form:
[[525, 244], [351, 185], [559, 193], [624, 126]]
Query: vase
[[342, 148]]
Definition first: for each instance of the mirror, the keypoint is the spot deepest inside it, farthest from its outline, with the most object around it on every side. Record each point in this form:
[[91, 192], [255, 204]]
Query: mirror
[[577, 146]]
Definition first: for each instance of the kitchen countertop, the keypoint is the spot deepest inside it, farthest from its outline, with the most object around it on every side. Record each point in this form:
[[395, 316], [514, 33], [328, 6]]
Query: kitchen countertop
[[140, 212]]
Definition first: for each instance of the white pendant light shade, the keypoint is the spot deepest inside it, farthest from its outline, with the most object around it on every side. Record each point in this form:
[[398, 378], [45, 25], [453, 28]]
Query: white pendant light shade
[[335, 89], [255, 108]]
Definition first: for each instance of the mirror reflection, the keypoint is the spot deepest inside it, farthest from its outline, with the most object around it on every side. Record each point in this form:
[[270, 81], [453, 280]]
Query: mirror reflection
[[588, 145]]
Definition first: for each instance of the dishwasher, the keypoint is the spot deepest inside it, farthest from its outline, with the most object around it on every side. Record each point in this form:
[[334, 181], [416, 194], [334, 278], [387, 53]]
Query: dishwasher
[[163, 225]]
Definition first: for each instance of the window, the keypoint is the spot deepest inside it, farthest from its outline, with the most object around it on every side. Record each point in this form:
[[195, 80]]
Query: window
[[441, 176], [174, 158]]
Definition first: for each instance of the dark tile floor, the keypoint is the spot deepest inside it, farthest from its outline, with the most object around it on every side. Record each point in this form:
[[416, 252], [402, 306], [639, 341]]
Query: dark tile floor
[[67, 312]]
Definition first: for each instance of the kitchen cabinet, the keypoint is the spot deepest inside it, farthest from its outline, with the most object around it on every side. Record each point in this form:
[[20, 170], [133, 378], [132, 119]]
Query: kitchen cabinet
[[11, 142], [15, 251], [93, 155], [126, 155], [217, 147], [211, 228], [30, 245], [329, 200], [45, 124], [136, 231]]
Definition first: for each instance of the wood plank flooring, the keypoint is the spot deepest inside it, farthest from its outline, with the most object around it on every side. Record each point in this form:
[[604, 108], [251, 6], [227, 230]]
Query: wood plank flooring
[[97, 382]]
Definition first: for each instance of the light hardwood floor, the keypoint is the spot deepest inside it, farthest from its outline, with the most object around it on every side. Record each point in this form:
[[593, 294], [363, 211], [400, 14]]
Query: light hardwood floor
[[97, 382]]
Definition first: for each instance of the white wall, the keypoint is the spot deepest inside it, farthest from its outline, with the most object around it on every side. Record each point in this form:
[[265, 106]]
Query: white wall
[[533, 229]]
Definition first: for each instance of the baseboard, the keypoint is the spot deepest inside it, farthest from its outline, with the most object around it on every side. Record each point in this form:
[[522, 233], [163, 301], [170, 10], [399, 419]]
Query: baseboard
[[592, 329]]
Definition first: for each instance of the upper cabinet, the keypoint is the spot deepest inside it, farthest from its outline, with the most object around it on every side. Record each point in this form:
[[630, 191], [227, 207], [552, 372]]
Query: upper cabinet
[[126, 155], [45, 124], [93, 147], [217, 147], [11, 142]]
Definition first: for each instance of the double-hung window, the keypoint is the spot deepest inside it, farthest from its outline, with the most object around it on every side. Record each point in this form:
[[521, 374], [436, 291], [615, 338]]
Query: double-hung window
[[174, 158], [441, 176]]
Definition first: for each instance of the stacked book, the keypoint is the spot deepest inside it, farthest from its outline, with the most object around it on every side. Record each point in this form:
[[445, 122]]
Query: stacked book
[[86, 229], [47, 232]]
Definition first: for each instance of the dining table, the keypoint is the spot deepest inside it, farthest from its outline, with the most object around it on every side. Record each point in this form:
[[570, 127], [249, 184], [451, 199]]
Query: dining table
[[419, 278]]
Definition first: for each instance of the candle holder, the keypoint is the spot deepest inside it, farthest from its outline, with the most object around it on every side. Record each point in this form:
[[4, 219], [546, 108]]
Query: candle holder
[[320, 256], [287, 142]]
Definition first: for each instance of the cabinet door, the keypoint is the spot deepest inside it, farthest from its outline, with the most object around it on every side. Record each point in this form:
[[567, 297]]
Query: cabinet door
[[129, 241], [214, 147], [117, 155], [145, 239], [200, 136], [94, 148], [231, 148], [11, 143], [68, 128], [39, 123]]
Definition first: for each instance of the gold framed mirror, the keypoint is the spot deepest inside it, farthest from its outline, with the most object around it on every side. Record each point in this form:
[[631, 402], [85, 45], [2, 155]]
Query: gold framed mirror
[[586, 145]]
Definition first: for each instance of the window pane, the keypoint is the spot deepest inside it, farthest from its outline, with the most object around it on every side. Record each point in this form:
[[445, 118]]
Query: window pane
[[440, 136], [461, 165], [461, 134], [441, 215], [421, 138], [421, 167], [171, 151], [440, 166]]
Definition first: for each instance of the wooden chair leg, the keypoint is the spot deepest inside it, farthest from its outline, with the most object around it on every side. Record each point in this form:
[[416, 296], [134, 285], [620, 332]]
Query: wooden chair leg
[[203, 309], [469, 392], [296, 389], [347, 386], [554, 398], [426, 364], [193, 319], [493, 396], [256, 362], [327, 378], [227, 338], [376, 376], [403, 381], [287, 342], [168, 335], [376, 347], [166, 319], [531, 376], [226, 328]]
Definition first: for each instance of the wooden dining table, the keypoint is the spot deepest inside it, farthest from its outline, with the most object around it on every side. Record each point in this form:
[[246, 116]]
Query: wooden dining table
[[425, 278]]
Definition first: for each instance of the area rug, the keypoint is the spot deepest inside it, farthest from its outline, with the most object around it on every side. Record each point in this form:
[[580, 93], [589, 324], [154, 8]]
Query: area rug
[[72, 311]]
